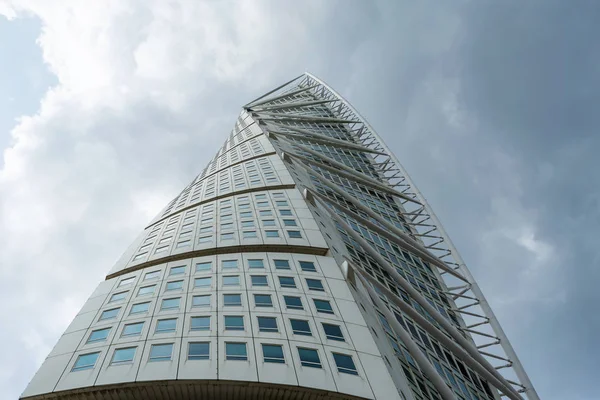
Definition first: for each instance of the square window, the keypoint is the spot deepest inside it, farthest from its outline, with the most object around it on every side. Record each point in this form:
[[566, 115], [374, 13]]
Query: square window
[[285, 213], [307, 266], [236, 351], [202, 282], [263, 300], [201, 301], [282, 264], [345, 364], [323, 306], [229, 264], [98, 335], [259, 280], [139, 308], [109, 314], [170, 304], [203, 266], [315, 284], [200, 323], [231, 280], [174, 285], [198, 350], [85, 361], [230, 300], [118, 296], [267, 324], [289, 222], [294, 234], [273, 353], [152, 275], [126, 281], [272, 233], [293, 302], [146, 290], [123, 356], [132, 329], [227, 236], [234, 323], [300, 327], [257, 263], [309, 357], [161, 352], [268, 222], [333, 332], [249, 234], [166, 325], [287, 282]]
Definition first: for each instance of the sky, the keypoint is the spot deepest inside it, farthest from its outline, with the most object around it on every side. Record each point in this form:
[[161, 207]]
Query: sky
[[109, 108]]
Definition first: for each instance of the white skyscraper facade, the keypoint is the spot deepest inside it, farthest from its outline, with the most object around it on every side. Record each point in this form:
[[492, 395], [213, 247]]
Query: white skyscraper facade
[[302, 263]]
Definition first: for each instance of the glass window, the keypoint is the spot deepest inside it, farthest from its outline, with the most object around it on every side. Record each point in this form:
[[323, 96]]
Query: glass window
[[293, 302], [140, 308], [228, 225], [289, 222], [205, 229], [281, 203], [309, 358], [132, 329], [98, 335], [315, 284], [247, 224], [174, 285], [123, 356], [203, 266], [118, 296], [272, 233], [227, 236], [231, 280], [233, 299], [205, 239], [345, 364], [202, 282], [152, 275], [201, 301], [229, 264], [85, 361], [285, 213], [268, 222], [300, 327], [109, 314], [333, 332], [256, 264], [307, 266], [267, 324], [166, 325], [234, 323], [266, 213], [282, 264], [168, 304], [294, 234], [263, 300], [177, 270], [259, 280], [161, 352], [236, 351], [198, 350], [127, 281], [246, 214], [262, 204], [287, 282], [323, 306], [200, 323], [273, 353], [249, 234], [146, 290]]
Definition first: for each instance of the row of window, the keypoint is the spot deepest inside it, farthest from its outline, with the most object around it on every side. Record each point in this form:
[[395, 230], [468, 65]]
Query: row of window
[[288, 282], [234, 351], [305, 266], [229, 300], [231, 323]]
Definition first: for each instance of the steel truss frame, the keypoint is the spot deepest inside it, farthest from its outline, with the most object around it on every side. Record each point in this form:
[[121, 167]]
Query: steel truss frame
[[490, 352]]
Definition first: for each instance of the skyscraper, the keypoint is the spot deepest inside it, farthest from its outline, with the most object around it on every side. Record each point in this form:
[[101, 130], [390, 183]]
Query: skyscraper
[[302, 263]]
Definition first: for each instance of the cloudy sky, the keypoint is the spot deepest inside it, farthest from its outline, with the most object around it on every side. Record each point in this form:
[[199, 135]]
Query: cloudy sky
[[109, 107]]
